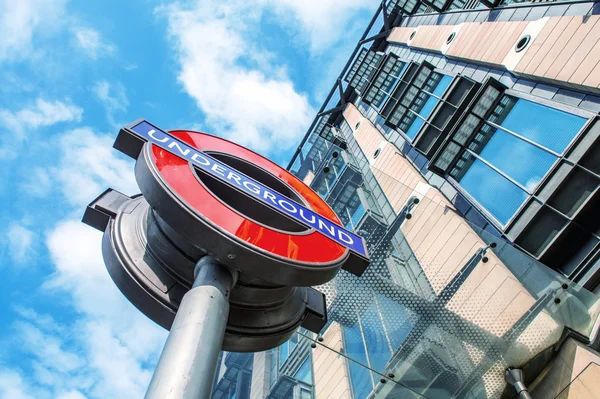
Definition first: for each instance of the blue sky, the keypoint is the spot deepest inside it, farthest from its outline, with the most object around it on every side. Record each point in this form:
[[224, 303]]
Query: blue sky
[[71, 73]]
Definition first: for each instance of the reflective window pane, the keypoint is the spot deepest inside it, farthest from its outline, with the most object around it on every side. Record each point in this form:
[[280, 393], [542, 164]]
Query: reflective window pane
[[518, 159], [493, 191], [547, 126]]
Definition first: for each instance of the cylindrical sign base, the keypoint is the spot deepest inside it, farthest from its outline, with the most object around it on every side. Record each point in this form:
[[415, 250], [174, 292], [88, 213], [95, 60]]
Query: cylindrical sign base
[[186, 368]]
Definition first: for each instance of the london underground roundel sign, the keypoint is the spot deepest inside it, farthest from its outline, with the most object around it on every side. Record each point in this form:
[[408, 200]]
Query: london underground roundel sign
[[251, 214]]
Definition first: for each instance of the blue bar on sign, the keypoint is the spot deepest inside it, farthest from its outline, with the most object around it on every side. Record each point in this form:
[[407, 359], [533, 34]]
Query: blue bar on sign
[[251, 187]]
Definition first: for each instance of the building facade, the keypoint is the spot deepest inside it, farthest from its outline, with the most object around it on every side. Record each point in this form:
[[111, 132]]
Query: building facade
[[462, 141]]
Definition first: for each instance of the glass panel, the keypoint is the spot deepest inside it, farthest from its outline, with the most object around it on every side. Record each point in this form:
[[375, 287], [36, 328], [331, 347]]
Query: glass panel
[[414, 127], [466, 129], [485, 101], [447, 156], [440, 311], [304, 373], [283, 353], [550, 127], [518, 159], [360, 376], [487, 187], [442, 85]]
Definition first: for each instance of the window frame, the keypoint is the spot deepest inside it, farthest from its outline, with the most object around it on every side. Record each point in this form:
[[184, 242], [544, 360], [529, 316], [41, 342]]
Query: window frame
[[532, 194]]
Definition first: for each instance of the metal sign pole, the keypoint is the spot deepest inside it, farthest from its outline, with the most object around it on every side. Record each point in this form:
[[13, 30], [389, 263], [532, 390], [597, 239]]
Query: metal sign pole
[[186, 368]]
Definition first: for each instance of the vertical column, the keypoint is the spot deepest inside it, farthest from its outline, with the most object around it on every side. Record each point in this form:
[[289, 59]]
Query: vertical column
[[186, 368]]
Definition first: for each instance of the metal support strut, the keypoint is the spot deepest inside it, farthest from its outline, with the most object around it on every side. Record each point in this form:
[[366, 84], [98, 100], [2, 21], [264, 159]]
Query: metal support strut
[[187, 365], [514, 377]]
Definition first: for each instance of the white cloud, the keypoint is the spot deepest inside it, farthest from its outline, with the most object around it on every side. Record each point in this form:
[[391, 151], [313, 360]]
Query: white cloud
[[71, 395], [48, 347], [89, 165], [12, 385], [19, 243], [259, 108], [113, 97], [109, 349], [117, 339], [24, 20], [37, 182], [91, 43], [324, 22], [42, 113]]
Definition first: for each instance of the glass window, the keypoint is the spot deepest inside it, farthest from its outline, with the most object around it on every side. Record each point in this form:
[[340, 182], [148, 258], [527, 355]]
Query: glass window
[[286, 348], [410, 108], [513, 148], [518, 159], [304, 373], [493, 191], [284, 352], [396, 319], [360, 376], [273, 367], [376, 339], [547, 126]]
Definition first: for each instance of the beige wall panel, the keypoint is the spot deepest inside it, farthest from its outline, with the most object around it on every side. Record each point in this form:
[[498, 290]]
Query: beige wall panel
[[493, 305], [573, 374], [586, 66], [415, 180], [418, 223], [477, 276], [260, 388], [431, 224], [399, 198], [593, 79], [444, 254], [442, 201], [443, 247], [463, 39], [329, 366], [397, 190], [415, 221], [545, 48], [513, 312], [432, 227], [474, 41], [399, 35], [352, 115], [427, 257], [436, 232], [330, 379], [513, 34], [584, 30], [450, 266], [499, 36], [589, 379], [536, 44], [489, 36], [367, 136], [423, 36], [435, 42], [580, 53], [440, 39], [558, 46]]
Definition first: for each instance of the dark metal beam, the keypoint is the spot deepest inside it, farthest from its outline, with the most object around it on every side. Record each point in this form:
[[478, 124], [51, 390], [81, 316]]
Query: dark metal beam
[[375, 37], [386, 21], [341, 90], [331, 110]]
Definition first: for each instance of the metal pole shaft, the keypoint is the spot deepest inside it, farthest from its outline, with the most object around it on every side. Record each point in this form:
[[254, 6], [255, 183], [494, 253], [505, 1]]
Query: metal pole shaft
[[186, 368]]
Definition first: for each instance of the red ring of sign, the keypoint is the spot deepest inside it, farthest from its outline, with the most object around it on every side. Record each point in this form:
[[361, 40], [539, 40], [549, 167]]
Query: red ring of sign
[[312, 247]]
